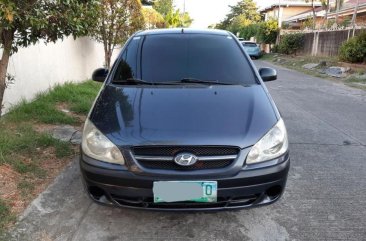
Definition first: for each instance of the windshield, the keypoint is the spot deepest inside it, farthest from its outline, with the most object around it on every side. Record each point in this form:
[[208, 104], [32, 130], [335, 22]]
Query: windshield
[[250, 45], [201, 57]]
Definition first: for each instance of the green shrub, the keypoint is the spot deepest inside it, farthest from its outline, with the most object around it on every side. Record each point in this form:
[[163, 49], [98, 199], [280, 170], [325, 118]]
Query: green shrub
[[249, 31], [354, 50], [275, 49], [267, 32], [291, 43]]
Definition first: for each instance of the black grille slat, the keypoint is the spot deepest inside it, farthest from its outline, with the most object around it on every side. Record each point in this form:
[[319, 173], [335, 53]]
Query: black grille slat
[[141, 152], [171, 165], [174, 150]]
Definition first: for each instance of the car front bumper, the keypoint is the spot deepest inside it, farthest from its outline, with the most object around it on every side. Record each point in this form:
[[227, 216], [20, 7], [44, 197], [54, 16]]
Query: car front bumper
[[255, 55], [123, 188]]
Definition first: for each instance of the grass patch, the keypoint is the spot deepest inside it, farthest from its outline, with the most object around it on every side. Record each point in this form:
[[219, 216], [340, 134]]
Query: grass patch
[[25, 140], [20, 147], [356, 80], [78, 97], [26, 188], [267, 57], [359, 83], [5, 216], [28, 149]]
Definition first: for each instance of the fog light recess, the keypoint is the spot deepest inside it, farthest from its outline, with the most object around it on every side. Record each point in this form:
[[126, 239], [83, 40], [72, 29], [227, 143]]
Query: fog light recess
[[274, 192], [96, 192]]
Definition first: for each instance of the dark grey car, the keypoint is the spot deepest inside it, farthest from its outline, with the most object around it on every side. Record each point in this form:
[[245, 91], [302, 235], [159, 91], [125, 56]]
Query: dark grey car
[[184, 122]]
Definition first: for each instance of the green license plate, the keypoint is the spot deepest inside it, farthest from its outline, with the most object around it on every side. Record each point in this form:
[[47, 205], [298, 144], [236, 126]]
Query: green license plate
[[180, 191]]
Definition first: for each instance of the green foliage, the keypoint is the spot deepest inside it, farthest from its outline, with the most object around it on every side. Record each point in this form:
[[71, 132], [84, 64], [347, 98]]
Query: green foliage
[[186, 20], [346, 22], [354, 50], [330, 23], [264, 32], [117, 20], [176, 19], [308, 23], [267, 32], [153, 19], [291, 43], [275, 49], [31, 21], [241, 15], [249, 31], [164, 7], [173, 18]]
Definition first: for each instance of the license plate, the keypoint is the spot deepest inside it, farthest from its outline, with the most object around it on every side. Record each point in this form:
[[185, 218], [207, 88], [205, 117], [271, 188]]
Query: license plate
[[179, 191]]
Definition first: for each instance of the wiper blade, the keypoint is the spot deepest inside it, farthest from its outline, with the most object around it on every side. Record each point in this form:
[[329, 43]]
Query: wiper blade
[[131, 81], [199, 81]]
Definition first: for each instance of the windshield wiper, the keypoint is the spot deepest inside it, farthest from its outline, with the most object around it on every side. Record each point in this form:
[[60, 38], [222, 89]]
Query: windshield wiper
[[132, 81], [200, 81]]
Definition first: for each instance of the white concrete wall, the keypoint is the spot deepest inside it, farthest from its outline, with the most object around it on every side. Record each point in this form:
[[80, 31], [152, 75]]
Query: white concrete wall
[[39, 67]]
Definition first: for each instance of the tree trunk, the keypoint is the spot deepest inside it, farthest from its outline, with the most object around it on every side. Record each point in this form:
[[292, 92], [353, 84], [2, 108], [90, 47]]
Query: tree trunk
[[107, 57], [7, 37]]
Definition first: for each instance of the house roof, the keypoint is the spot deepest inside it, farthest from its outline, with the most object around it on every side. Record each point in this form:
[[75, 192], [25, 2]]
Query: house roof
[[348, 8], [289, 4], [319, 12]]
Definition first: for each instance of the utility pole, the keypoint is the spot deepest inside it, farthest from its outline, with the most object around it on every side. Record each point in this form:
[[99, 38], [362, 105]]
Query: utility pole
[[279, 14], [338, 2], [354, 17], [279, 23]]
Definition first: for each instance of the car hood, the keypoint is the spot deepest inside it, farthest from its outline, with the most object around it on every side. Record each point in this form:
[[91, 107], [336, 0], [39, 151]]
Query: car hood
[[183, 115]]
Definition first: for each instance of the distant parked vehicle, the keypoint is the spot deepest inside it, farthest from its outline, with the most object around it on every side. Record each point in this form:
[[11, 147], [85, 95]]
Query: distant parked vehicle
[[252, 49]]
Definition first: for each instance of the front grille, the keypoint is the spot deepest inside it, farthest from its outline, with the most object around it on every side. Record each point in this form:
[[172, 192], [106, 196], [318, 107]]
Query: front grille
[[162, 157], [171, 165], [174, 150]]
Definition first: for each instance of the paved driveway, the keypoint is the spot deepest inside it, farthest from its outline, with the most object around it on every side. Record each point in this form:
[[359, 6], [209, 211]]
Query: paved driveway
[[325, 197]]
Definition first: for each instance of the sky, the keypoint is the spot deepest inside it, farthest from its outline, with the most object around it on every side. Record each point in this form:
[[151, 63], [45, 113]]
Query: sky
[[206, 12]]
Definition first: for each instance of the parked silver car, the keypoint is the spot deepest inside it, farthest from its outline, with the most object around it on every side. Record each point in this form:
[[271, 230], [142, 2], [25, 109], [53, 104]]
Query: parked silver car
[[252, 49]]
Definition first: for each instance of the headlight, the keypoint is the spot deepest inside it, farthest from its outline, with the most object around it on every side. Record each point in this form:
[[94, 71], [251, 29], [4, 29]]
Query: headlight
[[99, 147], [271, 146]]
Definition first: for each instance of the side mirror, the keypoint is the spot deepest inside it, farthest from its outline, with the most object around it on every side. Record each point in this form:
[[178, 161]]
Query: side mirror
[[268, 74], [100, 74]]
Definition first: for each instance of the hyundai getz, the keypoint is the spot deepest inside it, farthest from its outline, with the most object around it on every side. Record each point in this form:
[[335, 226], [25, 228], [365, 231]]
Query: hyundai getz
[[184, 122]]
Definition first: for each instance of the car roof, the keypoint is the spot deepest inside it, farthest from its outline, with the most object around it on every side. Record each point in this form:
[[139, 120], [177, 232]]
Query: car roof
[[183, 30]]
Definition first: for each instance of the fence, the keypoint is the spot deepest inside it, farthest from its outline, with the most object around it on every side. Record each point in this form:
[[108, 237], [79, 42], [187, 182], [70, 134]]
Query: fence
[[324, 42], [40, 67]]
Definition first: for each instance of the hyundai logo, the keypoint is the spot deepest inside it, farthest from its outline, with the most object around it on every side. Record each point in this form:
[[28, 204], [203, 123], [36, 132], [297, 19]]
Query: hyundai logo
[[185, 159]]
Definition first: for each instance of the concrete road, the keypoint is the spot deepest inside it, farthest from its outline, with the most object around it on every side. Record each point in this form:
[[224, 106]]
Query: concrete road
[[325, 197]]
